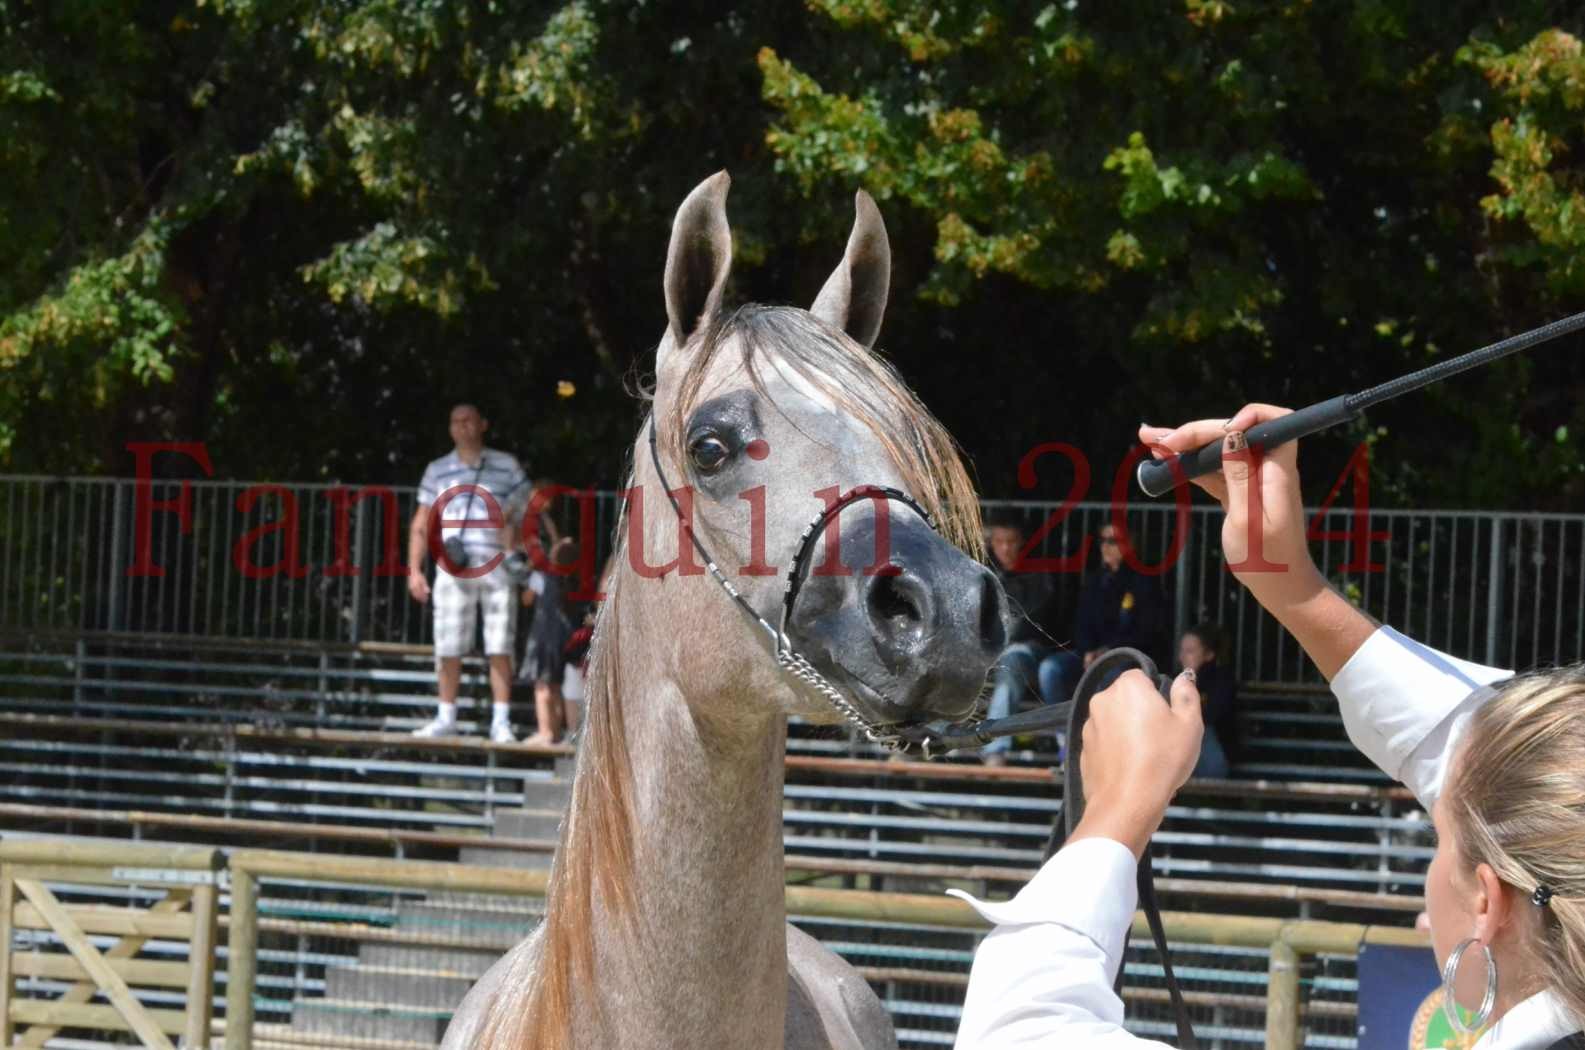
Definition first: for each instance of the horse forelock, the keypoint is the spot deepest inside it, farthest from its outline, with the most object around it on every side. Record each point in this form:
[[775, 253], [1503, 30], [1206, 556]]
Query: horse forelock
[[857, 381]]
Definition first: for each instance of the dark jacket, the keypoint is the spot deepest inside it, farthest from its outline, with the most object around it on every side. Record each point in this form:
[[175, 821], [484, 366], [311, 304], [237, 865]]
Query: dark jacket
[[1219, 703], [1031, 598], [1120, 608]]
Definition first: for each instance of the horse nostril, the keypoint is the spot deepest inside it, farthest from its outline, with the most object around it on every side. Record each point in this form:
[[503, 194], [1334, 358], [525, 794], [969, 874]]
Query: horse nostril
[[993, 628], [897, 602]]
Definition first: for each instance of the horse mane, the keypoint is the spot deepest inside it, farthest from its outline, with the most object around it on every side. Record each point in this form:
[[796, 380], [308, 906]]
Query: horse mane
[[535, 1005]]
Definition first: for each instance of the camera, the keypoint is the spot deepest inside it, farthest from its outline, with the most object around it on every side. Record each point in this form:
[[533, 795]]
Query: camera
[[517, 566], [456, 553]]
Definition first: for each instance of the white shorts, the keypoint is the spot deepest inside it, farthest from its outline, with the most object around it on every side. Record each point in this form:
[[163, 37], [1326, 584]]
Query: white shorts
[[456, 602], [572, 683]]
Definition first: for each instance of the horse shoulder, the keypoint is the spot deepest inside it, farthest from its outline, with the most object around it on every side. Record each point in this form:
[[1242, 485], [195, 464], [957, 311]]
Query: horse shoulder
[[829, 1006], [470, 1018]]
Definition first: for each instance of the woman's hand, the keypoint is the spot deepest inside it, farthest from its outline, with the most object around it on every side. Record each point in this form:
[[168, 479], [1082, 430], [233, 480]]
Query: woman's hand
[[1138, 750], [1263, 533]]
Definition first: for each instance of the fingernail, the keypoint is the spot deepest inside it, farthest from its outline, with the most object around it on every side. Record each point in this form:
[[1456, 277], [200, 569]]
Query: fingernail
[[1234, 441], [1188, 673], [1161, 451]]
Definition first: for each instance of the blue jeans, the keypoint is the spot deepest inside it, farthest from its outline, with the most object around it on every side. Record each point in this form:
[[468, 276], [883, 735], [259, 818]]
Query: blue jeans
[[1059, 673], [1213, 758], [1023, 668]]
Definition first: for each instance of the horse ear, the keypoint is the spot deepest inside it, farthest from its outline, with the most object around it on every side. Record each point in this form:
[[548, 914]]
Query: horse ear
[[854, 297], [699, 258]]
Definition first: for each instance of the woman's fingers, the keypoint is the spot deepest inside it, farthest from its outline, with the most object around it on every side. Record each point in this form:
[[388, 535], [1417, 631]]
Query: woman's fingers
[[1255, 412], [1185, 438], [1201, 432], [1185, 697], [1165, 441]]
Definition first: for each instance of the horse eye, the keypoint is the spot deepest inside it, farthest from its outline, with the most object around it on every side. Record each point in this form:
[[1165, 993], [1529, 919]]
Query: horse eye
[[708, 452]]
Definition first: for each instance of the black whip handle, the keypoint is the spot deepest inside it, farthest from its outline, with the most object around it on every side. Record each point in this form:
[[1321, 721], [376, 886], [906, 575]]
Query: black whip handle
[[1159, 476]]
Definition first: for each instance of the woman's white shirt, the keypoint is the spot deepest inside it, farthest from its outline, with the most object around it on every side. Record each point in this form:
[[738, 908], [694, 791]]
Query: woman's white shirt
[[1405, 706], [1045, 972]]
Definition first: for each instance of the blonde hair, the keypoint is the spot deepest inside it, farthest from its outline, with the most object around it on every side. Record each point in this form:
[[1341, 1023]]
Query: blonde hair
[[1517, 803]]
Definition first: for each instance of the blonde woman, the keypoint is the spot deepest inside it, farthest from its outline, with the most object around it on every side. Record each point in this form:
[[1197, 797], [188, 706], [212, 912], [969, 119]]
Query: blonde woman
[[1498, 761]]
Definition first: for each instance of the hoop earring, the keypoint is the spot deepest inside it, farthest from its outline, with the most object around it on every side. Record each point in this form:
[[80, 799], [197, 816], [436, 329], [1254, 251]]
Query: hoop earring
[[1450, 1002]]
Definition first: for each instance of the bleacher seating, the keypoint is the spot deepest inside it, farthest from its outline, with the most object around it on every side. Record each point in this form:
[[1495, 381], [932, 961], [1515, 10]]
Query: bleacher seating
[[118, 727], [300, 746]]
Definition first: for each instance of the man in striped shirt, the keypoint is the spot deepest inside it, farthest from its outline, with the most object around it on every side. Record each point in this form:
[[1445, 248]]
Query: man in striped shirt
[[487, 490]]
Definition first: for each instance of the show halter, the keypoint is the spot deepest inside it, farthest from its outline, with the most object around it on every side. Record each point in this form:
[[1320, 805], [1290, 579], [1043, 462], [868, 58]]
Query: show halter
[[789, 659]]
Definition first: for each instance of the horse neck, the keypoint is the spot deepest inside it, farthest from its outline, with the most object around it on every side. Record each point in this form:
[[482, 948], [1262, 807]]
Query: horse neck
[[707, 952]]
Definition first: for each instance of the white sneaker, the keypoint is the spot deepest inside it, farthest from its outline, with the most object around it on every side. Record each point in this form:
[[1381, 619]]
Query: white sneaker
[[436, 727], [501, 733]]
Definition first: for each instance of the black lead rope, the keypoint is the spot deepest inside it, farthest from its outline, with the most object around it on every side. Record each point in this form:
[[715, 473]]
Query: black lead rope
[[1095, 676]]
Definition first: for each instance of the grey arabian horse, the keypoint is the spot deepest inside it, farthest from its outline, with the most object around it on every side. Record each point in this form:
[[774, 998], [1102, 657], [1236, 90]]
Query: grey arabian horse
[[665, 921]]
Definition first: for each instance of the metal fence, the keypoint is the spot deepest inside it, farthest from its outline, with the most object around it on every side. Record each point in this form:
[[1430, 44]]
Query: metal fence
[[383, 950], [340, 951], [324, 564]]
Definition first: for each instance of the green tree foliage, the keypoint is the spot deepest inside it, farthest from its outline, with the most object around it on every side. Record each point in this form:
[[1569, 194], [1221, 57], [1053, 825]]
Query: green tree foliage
[[1273, 200], [230, 218], [226, 219]]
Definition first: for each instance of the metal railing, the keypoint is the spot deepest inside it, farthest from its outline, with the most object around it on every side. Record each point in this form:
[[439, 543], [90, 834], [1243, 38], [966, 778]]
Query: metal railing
[[323, 564], [329, 951]]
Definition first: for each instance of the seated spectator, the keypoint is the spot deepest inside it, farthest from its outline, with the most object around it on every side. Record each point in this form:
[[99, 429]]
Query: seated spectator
[[1197, 651], [1117, 607], [1021, 668]]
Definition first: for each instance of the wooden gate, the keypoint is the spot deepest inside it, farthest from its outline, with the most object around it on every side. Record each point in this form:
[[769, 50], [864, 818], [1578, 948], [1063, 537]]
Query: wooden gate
[[61, 947]]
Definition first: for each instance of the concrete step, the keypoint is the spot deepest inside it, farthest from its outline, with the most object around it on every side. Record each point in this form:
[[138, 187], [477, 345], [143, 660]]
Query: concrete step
[[530, 822], [285, 1037], [414, 986], [547, 794], [504, 858], [370, 1019], [489, 921], [470, 961]]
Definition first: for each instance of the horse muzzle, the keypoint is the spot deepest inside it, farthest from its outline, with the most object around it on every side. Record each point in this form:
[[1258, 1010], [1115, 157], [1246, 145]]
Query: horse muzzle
[[900, 620]]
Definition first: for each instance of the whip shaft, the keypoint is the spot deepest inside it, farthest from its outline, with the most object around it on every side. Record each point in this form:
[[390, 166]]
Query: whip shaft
[[1157, 477]]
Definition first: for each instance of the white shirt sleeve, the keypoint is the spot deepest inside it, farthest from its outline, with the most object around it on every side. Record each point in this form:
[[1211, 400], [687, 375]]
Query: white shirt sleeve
[[1043, 976], [1405, 706], [429, 486], [515, 499]]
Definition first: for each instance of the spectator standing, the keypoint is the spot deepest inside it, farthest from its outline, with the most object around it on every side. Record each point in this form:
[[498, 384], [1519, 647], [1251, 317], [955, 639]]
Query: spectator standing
[[484, 485], [545, 652], [1197, 652]]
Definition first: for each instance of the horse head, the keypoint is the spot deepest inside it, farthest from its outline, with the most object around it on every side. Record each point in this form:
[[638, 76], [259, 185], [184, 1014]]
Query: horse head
[[768, 417]]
